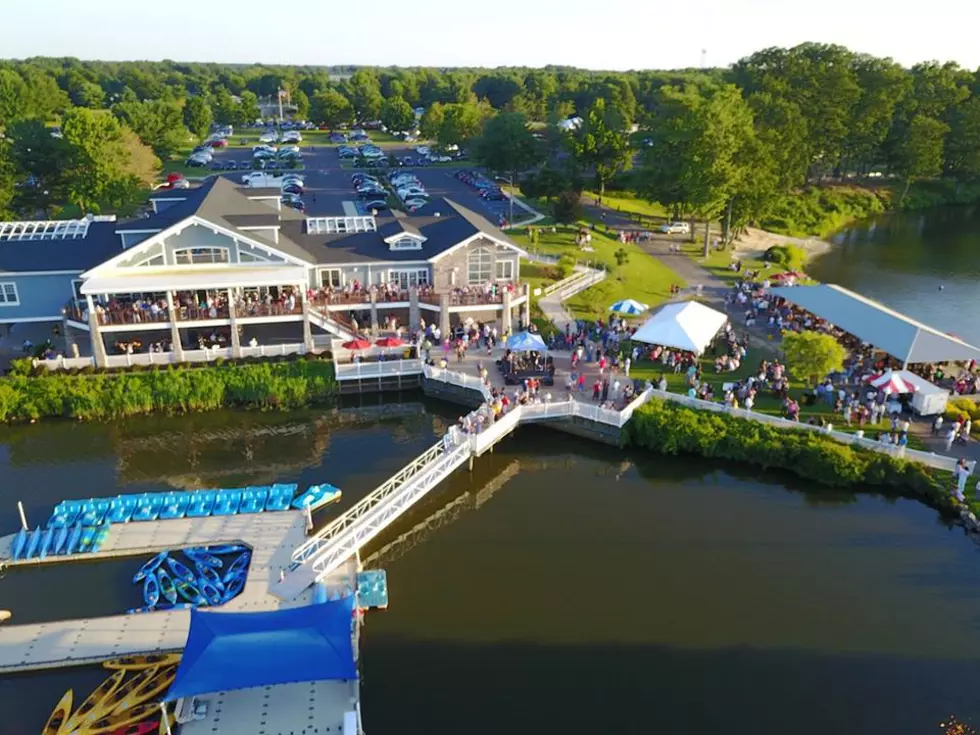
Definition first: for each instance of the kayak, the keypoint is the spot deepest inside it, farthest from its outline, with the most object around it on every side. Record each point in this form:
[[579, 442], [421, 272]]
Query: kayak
[[180, 571], [140, 728], [47, 538], [59, 715], [131, 716], [238, 566], [201, 556], [209, 575], [140, 610], [121, 509], [151, 590], [317, 496], [162, 678], [101, 534], [33, 543], [88, 538], [138, 663], [150, 566], [74, 539], [226, 549], [233, 587], [210, 592], [61, 539], [92, 708], [190, 593], [18, 545], [112, 702], [166, 584]]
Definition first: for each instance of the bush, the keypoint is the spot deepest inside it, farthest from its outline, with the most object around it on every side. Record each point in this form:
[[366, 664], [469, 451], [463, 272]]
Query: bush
[[669, 428], [567, 207], [821, 210], [790, 257], [565, 266], [103, 396]]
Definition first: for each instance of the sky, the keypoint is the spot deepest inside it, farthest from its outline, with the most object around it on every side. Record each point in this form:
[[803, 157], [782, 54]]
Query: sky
[[604, 34]]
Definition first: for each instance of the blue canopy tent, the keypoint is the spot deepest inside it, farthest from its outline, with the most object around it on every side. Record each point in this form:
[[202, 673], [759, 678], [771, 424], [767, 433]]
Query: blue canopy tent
[[229, 651], [526, 341]]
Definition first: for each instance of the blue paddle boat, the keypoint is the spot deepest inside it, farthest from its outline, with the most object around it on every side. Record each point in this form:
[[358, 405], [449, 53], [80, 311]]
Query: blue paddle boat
[[47, 538], [94, 511], [65, 513], [280, 496], [233, 587], [74, 539], [60, 540], [253, 500], [121, 509], [223, 549], [210, 592], [151, 590], [33, 543], [191, 593], [150, 566], [203, 556], [174, 506], [209, 575], [180, 571], [18, 545], [148, 507], [167, 587], [317, 496], [237, 567], [201, 504], [227, 503]]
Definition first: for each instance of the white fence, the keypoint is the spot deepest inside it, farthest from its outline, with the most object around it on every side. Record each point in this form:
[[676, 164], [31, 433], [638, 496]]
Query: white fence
[[454, 378], [578, 281], [386, 368], [168, 358]]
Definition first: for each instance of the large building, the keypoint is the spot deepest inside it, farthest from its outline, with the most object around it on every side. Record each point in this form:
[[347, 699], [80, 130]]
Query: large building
[[226, 264]]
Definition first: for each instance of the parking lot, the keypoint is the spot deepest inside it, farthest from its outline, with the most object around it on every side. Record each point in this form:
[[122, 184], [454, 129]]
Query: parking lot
[[329, 188]]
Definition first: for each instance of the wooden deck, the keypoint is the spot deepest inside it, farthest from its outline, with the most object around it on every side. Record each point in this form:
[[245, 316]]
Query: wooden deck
[[272, 536]]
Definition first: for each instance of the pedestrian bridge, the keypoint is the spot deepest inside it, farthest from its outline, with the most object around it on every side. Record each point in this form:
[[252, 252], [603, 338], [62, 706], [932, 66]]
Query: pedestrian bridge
[[330, 547]]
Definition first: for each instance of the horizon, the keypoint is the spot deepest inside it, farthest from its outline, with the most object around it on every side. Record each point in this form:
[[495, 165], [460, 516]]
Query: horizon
[[517, 34]]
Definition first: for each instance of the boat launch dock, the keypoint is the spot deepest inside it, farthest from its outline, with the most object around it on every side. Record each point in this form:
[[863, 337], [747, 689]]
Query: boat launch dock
[[271, 536]]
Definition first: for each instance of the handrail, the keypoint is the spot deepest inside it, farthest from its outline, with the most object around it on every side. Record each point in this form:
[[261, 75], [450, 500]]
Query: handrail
[[382, 368]]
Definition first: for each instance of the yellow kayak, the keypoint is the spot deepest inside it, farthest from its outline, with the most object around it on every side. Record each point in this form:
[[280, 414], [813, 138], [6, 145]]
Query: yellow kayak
[[109, 725], [112, 702], [137, 663], [94, 707], [147, 690], [59, 715]]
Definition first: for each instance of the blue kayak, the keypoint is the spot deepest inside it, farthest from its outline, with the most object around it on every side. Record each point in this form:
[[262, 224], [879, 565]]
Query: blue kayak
[[47, 539], [209, 575], [202, 556], [33, 543], [210, 592], [150, 566], [174, 506], [60, 540], [88, 538], [317, 496], [201, 504], [74, 539], [65, 513], [233, 587], [223, 549], [227, 503], [19, 544], [237, 567], [180, 571], [191, 593], [121, 509], [151, 590], [167, 587]]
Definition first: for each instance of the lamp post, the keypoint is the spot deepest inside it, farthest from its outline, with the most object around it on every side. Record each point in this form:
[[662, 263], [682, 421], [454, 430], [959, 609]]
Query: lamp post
[[510, 198]]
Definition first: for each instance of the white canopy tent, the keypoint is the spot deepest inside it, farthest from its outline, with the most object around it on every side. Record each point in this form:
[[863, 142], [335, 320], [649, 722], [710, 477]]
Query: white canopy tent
[[686, 325]]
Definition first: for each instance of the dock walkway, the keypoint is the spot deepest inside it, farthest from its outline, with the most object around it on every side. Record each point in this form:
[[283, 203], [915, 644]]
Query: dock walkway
[[272, 537]]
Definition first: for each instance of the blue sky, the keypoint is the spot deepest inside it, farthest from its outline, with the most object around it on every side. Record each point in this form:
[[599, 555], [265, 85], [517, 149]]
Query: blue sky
[[609, 34]]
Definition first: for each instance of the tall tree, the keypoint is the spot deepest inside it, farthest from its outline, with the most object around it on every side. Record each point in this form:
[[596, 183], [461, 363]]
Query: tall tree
[[329, 107], [919, 154], [601, 143], [397, 115], [812, 355], [159, 124], [302, 103], [364, 91], [432, 120], [249, 108], [963, 141], [97, 175], [198, 116], [461, 122], [507, 145], [6, 180], [38, 161]]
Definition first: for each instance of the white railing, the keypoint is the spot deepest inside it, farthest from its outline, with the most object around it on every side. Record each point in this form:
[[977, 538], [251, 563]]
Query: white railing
[[578, 281], [167, 358], [331, 225], [454, 378], [385, 368], [480, 442]]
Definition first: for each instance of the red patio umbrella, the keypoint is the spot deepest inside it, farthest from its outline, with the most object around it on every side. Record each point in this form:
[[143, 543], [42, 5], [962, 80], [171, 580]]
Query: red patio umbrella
[[357, 344], [389, 342]]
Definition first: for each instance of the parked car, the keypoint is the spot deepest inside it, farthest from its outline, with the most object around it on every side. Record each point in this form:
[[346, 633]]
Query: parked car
[[218, 143], [415, 203], [293, 136], [217, 166], [268, 137], [231, 165], [676, 228], [378, 204], [293, 189], [337, 138]]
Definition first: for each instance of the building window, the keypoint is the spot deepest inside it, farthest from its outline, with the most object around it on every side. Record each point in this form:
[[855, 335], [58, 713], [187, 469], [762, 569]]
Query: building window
[[406, 278], [155, 260], [247, 257], [505, 270], [406, 243], [194, 256], [8, 294], [332, 278], [479, 266]]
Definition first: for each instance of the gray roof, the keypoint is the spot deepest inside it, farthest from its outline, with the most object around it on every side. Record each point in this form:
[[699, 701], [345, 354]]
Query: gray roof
[[397, 225], [253, 220], [900, 336], [99, 244]]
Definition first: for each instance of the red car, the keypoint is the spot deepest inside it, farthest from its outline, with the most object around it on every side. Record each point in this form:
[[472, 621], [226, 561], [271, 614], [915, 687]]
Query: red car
[[220, 143]]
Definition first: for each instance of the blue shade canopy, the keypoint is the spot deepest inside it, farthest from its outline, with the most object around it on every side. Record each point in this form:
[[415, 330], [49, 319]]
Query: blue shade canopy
[[524, 341], [229, 651], [629, 307]]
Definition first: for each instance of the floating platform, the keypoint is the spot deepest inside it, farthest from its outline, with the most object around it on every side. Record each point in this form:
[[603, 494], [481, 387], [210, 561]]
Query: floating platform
[[272, 537]]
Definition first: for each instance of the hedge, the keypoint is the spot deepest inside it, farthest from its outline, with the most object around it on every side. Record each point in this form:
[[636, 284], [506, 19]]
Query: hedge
[[673, 429], [271, 384]]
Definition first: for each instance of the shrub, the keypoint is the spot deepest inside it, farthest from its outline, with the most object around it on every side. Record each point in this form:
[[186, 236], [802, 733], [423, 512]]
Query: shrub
[[565, 266], [567, 207], [790, 257]]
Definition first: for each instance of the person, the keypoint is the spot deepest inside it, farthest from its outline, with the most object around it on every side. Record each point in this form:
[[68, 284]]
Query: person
[[961, 473], [950, 438], [937, 424]]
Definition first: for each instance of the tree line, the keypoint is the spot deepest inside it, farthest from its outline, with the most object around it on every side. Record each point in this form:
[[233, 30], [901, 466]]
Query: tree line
[[717, 143]]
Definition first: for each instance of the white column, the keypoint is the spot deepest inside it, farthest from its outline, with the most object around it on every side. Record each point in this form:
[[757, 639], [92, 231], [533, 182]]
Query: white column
[[307, 329], [95, 334], [236, 340], [178, 348]]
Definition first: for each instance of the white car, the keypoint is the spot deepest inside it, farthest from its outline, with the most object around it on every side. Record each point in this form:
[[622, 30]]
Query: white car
[[422, 150], [268, 148], [440, 159], [268, 137], [397, 179], [415, 203], [288, 149], [676, 228], [293, 136], [293, 179], [411, 192]]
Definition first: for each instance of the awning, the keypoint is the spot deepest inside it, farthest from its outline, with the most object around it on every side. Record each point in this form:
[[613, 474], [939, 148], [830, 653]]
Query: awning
[[687, 325], [900, 336], [229, 651], [180, 279]]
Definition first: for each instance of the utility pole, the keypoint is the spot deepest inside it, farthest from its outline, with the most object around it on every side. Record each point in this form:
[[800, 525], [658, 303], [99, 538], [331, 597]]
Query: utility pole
[[279, 97]]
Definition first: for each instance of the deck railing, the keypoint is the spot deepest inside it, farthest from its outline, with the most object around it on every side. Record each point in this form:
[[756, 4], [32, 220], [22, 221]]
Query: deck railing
[[167, 358], [382, 369]]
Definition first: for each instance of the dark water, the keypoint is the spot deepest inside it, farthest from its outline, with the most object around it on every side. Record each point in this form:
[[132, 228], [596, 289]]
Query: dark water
[[563, 586], [901, 259]]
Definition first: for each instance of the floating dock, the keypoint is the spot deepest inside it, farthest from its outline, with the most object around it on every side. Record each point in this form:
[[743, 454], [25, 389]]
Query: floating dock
[[272, 537]]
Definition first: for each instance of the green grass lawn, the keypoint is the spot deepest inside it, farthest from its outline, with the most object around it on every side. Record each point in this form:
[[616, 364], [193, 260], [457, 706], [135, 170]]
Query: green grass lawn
[[625, 202], [642, 277]]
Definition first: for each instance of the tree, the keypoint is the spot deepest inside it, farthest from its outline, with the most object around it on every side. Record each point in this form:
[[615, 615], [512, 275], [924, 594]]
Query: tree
[[224, 108], [38, 160], [547, 183], [432, 120], [364, 91], [159, 124], [198, 116], [302, 103], [963, 141], [249, 108], [601, 143], [6, 181], [13, 96], [397, 115], [461, 122], [567, 207], [812, 355], [329, 107], [140, 160], [96, 175], [84, 93], [920, 152], [507, 145]]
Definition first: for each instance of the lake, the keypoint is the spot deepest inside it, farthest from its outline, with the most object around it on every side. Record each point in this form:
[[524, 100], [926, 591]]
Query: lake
[[562, 585], [901, 259]]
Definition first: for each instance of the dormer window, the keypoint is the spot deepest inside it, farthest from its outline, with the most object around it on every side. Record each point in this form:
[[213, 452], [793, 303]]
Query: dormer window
[[405, 243]]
